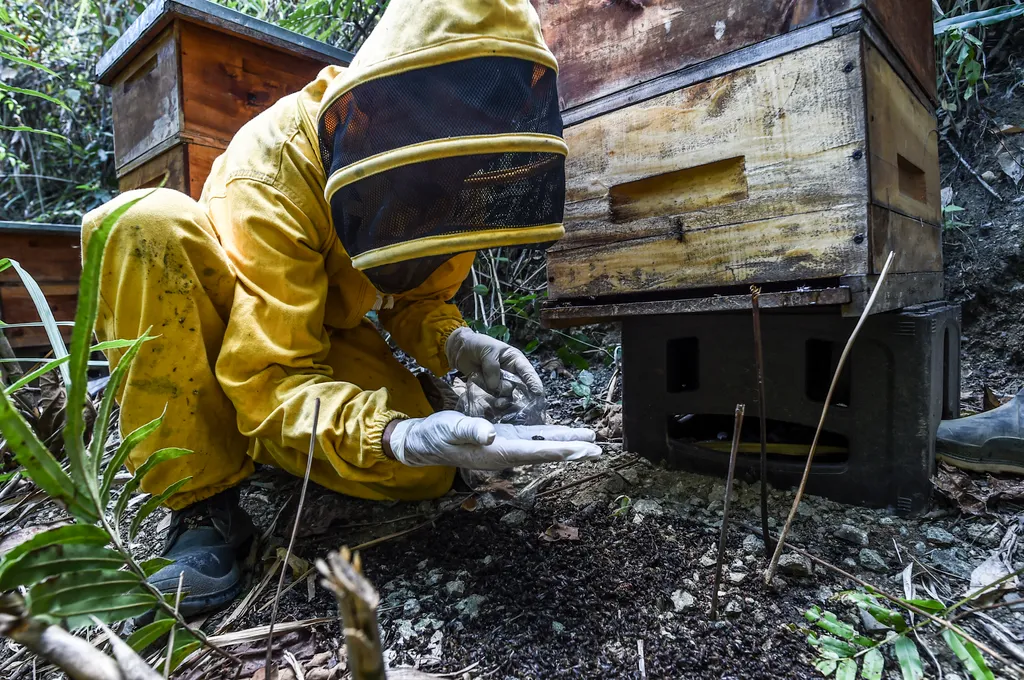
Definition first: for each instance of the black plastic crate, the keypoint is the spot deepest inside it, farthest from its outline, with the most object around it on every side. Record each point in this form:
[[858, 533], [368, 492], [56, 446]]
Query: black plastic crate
[[684, 374]]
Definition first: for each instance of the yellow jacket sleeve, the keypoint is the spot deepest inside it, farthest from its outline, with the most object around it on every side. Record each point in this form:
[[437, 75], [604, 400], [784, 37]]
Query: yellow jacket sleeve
[[272, 363], [422, 319]]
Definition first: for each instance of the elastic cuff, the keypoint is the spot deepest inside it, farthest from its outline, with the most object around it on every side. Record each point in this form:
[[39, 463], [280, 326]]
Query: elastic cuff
[[375, 434]]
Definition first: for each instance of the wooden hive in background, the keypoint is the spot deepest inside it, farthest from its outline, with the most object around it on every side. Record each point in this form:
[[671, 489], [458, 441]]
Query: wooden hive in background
[[186, 76], [796, 163]]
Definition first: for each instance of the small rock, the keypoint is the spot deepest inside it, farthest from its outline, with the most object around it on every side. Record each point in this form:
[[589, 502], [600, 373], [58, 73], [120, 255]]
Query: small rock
[[872, 561], [772, 523], [733, 608], [455, 587], [886, 521], [470, 606], [434, 576], [939, 536], [717, 494], [682, 600], [557, 628], [708, 560], [850, 563], [646, 506], [985, 535], [792, 564], [427, 623], [284, 673], [615, 484], [514, 518], [921, 547], [411, 607], [988, 176], [638, 518], [805, 510], [405, 629], [852, 535], [752, 544], [737, 565], [950, 561], [736, 577], [317, 674], [631, 476]]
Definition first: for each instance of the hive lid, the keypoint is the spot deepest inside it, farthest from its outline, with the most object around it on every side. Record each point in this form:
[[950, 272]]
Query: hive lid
[[159, 13]]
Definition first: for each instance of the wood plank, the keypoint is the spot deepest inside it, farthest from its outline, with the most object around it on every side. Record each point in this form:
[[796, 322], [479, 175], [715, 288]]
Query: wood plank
[[48, 258], [200, 162], [227, 81], [813, 245], [147, 100], [554, 315], [899, 291], [17, 307], [171, 164], [917, 244], [604, 48], [775, 147], [908, 26], [903, 143]]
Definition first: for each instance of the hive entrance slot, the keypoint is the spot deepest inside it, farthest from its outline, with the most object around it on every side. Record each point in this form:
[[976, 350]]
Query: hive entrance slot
[[787, 442], [680, 191], [912, 180]]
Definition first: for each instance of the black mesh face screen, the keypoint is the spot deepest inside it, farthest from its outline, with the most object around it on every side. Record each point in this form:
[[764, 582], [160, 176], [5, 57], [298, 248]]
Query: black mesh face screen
[[480, 96], [448, 196], [455, 194]]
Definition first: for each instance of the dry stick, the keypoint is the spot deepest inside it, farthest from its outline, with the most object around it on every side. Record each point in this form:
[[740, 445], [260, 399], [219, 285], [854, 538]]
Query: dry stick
[[963, 162], [588, 478], [770, 571], [740, 410], [291, 541], [762, 412]]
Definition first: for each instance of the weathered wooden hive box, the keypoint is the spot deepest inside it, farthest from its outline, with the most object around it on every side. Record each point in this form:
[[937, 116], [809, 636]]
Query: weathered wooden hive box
[[720, 144], [186, 76]]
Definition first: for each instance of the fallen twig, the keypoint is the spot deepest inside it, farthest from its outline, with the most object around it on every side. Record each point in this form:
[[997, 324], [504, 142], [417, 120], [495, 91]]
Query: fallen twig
[[773, 565], [762, 410], [357, 603], [737, 426], [588, 478], [963, 162], [291, 541]]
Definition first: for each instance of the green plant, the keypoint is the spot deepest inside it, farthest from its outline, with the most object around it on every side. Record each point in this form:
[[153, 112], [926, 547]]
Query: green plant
[[81, 573], [623, 504], [582, 388], [949, 219], [840, 647]]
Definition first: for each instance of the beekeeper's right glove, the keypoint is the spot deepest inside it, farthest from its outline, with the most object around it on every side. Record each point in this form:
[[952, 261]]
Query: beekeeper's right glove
[[452, 439]]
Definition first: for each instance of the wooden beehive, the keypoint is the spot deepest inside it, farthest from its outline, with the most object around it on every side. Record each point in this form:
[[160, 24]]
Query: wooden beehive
[[799, 173], [186, 76], [611, 47], [52, 254]]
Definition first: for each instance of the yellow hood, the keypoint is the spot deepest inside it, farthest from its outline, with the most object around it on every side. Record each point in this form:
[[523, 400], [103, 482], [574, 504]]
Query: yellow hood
[[443, 135]]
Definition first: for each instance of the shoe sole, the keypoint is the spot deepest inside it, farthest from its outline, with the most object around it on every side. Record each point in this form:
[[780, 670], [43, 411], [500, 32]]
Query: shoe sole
[[999, 455]]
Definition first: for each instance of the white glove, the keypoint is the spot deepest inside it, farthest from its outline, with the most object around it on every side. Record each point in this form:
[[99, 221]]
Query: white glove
[[452, 439], [471, 352]]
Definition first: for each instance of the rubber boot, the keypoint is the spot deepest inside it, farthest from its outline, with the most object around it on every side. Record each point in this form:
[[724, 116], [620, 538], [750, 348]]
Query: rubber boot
[[206, 542], [992, 441]]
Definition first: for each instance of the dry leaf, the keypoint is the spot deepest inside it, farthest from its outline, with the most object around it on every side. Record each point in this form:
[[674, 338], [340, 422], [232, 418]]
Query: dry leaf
[[560, 532], [990, 400], [975, 494], [1012, 165], [18, 537], [1010, 129]]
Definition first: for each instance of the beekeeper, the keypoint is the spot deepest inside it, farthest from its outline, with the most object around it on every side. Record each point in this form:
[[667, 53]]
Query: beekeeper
[[368, 190]]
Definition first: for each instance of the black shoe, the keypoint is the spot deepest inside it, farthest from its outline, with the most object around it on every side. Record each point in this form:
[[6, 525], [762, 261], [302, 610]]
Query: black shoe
[[206, 541], [992, 441]]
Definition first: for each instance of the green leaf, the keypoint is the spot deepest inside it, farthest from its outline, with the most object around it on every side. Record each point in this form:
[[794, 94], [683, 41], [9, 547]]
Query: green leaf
[[969, 656], [498, 332], [531, 346], [874, 664], [580, 390], [40, 465], [154, 459], [825, 666], [155, 564], [81, 335], [13, 38], [182, 651], [909, 659], [4, 87], [881, 614], [54, 363], [53, 334], [106, 609], [99, 435], [71, 587], [152, 504], [148, 634], [481, 289], [974, 19], [830, 623], [56, 560], [571, 358], [586, 378], [847, 670], [26, 62], [128, 445], [32, 130], [929, 605], [84, 534], [830, 647]]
